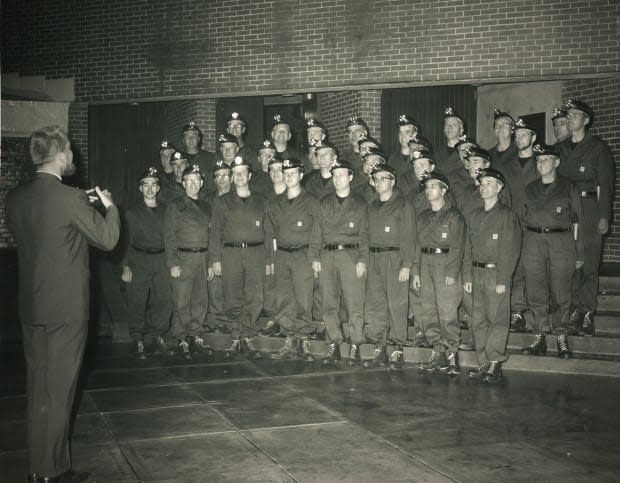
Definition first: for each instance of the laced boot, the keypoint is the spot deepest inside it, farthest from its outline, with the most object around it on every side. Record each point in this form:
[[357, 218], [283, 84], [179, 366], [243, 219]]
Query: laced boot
[[453, 368], [536, 348], [420, 340], [201, 346], [333, 354], [435, 361], [563, 350], [287, 351], [271, 328], [250, 348], [587, 326], [397, 359], [575, 320], [140, 353], [354, 355], [494, 373], [304, 351], [517, 322], [479, 372], [234, 349], [379, 357], [184, 350], [161, 346]]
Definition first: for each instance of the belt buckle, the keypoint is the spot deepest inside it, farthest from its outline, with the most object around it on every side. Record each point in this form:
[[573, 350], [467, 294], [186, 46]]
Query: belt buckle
[[243, 245], [340, 247], [546, 230]]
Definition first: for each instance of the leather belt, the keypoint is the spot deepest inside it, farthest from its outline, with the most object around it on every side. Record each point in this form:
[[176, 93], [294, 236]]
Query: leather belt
[[483, 265], [293, 249], [345, 246], [383, 249], [549, 230], [242, 244], [148, 251], [434, 251], [588, 194], [193, 250]]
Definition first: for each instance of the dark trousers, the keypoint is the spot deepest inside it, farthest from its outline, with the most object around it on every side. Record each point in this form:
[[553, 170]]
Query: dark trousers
[[294, 284], [243, 279], [54, 355], [339, 283], [549, 265], [439, 304], [490, 321], [149, 297], [585, 280], [270, 302], [415, 302], [518, 302], [386, 300], [190, 296], [216, 314]]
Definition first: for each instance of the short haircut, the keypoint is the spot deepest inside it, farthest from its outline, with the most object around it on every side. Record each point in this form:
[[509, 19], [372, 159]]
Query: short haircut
[[46, 143]]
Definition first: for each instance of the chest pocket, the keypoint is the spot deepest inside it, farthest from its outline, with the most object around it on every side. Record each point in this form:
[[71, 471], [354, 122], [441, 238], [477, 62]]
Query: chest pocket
[[560, 209]]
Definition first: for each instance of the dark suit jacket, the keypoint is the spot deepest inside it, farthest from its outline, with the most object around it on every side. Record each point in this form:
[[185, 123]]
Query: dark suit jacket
[[53, 225]]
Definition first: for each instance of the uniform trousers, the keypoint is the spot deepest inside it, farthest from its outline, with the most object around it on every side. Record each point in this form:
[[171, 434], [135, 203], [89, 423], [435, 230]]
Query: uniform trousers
[[270, 302], [149, 296], [585, 280], [439, 304], [340, 284], [549, 263], [243, 279], [294, 283], [490, 321], [216, 315], [386, 299], [190, 296], [54, 354]]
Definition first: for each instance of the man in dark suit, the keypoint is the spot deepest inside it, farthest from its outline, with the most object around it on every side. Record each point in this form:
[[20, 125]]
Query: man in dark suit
[[53, 225]]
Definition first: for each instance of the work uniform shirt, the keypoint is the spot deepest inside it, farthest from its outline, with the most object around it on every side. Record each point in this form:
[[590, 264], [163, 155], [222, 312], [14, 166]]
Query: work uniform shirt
[[355, 159], [318, 186], [261, 183], [468, 200], [400, 162], [556, 205], [248, 153], [186, 225], [206, 162], [499, 158], [494, 236], [448, 161], [345, 223], [392, 223], [145, 230], [366, 191], [293, 223], [443, 229], [170, 189], [589, 165], [236, 219], [519, 172]]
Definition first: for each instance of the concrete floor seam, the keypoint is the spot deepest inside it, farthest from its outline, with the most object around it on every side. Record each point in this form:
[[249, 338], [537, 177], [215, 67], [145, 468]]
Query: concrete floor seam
[[127, 461]]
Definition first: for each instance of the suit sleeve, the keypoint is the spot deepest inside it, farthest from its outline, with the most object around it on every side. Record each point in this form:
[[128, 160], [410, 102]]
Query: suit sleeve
[[606, 180], [100, 231]]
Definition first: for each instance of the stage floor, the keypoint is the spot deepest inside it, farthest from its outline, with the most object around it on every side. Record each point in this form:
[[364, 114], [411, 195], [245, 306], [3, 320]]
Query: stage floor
[[271, 421]]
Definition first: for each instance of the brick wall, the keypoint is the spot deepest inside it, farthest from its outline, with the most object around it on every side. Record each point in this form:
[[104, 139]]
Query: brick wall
[[604, 97], [78, 132], [16, 168], [147, 48]]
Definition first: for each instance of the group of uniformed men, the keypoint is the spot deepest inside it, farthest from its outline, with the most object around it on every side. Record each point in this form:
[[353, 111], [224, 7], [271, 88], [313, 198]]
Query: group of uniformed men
[[505, 239]]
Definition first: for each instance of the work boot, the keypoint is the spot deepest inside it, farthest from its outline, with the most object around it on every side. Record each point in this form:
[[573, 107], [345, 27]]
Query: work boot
[[201, 346], [436, 360], [420, 340], [234, 349], [379, 357], [222, 329], [354, 355], [184, 350], [333, 354], [250, 349], [575, 320], [587, 326], [140, 354], [287, 351], [517, 322], [536, 348], [479, 372], [318, 334], [563, 350], [304, 351], [397, 359], [160, 345], [494, 373], [271, 328], [453, 368]]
